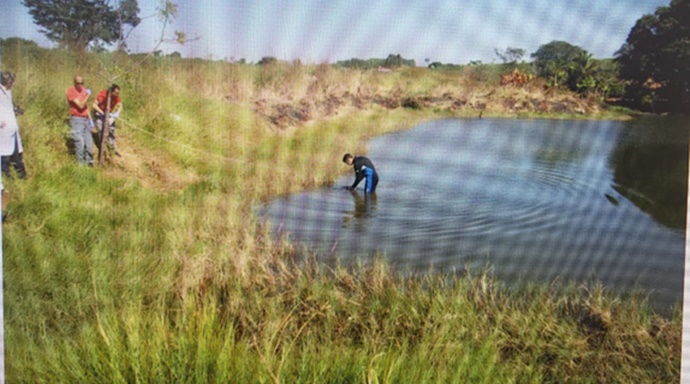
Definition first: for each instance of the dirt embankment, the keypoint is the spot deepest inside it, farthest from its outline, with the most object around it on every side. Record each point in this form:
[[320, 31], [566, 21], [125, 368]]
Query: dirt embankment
[[497, 101]]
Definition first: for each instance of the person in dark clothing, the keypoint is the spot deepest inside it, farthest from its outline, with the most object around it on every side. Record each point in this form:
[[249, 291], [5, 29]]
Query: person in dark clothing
[[364, 170]]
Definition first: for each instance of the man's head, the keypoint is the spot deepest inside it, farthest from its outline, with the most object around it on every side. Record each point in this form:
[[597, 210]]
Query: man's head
[[78, 83], [7, 79], [114, 90], [347, 159]]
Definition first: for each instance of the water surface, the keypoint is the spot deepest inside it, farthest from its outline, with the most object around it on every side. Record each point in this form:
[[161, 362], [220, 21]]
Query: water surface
[[534, 199]]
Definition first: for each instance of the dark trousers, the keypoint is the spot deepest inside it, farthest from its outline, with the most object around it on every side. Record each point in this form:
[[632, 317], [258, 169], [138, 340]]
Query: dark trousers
[[15, 159]]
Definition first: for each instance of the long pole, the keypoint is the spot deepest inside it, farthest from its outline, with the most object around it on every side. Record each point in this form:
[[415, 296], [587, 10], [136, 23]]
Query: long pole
[[105, 131]]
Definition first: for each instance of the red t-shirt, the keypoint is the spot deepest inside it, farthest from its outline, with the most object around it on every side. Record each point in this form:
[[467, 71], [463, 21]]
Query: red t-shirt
[[102, 99], [74, 109]]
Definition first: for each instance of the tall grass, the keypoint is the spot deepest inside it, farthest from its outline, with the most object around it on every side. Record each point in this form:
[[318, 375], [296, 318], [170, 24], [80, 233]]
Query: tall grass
[[152, 268]]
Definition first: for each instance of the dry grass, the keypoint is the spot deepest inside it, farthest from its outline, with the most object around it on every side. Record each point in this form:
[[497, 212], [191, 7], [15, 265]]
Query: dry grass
[[288, 95]]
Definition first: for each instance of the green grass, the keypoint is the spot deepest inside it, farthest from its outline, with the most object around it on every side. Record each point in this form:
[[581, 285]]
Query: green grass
[[154, 269]]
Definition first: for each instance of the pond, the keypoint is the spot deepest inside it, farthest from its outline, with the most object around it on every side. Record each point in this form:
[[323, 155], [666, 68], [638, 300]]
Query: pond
[[532, 199]]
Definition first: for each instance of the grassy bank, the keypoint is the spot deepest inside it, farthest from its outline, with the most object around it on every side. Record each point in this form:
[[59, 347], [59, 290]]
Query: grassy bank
[[152, 268]]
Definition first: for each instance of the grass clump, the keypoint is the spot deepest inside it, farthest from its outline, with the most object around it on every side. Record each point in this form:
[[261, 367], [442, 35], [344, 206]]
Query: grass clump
[[306, 323]]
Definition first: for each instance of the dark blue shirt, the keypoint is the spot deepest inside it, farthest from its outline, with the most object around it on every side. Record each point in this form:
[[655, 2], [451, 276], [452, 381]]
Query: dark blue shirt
[[360, 163]]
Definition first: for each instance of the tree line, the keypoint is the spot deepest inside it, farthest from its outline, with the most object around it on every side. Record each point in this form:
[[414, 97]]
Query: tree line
[[651, 70], [392, 61]]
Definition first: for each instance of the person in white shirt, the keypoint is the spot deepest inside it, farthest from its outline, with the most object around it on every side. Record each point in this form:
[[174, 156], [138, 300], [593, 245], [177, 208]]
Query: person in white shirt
[[11, 148]]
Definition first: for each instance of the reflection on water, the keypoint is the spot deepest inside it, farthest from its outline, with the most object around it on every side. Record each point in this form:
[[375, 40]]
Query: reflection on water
[[535, 199], [651, 168], [364, 208]]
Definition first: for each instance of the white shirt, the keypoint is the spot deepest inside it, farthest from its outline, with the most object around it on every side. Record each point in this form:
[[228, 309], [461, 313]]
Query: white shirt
[[8, 122]]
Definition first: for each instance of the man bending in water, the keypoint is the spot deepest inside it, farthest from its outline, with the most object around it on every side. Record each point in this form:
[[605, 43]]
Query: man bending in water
[[364, 169]]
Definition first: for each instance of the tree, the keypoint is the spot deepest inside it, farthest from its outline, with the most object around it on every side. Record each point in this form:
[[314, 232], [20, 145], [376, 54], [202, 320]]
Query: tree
[[18, 41], [655, 59], [553, 59], [395, 61], [582, 73], [267, 60], [392, 61], [510, 55], [561, 63], [77, 24]]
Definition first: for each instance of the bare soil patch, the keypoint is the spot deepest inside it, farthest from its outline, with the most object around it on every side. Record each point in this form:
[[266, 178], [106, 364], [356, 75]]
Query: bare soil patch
[[506, 100], [154, 170]]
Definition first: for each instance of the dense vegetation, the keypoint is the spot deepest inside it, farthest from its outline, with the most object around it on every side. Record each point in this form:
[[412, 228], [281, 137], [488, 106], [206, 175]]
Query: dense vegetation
[[152, 268], [655, 60]]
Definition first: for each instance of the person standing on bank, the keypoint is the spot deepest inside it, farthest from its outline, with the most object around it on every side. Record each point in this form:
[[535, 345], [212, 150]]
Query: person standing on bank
[[364, 170], [11, 147], [80, 121], [101, 106]]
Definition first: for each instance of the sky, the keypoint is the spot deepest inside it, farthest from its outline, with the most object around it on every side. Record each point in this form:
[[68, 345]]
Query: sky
[[317, 31]]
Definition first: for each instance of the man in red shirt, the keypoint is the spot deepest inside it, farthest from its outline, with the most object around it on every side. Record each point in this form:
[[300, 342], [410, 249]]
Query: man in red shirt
[[101, 106], [80, 121]]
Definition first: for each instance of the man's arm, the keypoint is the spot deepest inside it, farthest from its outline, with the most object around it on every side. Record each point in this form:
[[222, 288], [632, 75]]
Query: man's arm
[[359, 175], [80, 103], [96, 107], [73, 97]]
